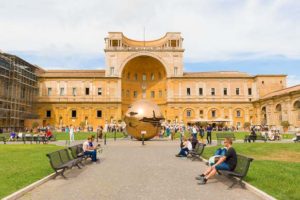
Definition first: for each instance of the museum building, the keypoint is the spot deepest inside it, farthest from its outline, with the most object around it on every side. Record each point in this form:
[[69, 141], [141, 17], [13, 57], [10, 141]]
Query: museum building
[[154, 70]]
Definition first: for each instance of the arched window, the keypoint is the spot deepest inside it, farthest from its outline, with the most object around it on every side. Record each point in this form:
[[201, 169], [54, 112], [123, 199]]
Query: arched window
[[278, 108], [297, 108], [297, 105], [128, 75]]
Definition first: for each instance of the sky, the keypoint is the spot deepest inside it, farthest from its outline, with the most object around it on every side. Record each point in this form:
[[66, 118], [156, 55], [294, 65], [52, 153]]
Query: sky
[[254, 36]]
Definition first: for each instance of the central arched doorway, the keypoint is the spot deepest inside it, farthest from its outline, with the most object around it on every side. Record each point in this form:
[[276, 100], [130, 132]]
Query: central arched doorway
[[144, 77]]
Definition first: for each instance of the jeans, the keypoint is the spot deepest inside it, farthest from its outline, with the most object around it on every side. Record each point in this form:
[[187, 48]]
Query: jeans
[[194, 135], [208, 137], [184, 152], [93, 155], [223, 166]]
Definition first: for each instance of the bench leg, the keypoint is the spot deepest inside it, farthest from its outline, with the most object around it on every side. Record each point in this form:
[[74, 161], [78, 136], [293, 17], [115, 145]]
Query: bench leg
[[77, 165], [234, 182], [62, 173]]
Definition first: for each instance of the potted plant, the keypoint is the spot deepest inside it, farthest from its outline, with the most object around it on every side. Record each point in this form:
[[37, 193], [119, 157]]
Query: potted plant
[[82, 125], [247, 125], [285, 125]]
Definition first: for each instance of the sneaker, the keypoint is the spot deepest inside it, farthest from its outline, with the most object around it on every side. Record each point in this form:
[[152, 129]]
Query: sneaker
[[177, 155], [203, 181], [200, 177]]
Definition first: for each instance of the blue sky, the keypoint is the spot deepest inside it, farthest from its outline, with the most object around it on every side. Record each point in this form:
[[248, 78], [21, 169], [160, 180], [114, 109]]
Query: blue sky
[[254, 36]]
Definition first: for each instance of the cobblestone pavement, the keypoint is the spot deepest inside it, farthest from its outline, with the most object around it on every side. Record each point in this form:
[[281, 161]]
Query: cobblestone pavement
[[131, 171]]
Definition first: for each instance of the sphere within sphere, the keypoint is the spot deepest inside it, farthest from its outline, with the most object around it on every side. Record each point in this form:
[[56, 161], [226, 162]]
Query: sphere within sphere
[[143, 116]]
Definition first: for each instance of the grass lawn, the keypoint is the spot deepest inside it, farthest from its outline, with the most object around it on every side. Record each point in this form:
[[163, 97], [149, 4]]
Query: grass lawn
[[22, 165], [83, 135], [275, 168]]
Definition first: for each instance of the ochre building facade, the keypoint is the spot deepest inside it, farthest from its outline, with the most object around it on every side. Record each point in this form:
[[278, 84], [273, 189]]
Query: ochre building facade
[[154, 70]]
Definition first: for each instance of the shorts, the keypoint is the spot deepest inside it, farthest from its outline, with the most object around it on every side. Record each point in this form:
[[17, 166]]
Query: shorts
[[223, 166]]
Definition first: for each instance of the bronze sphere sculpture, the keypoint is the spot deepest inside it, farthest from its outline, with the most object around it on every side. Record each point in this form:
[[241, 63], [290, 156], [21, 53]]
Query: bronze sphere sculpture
[[143, 116]]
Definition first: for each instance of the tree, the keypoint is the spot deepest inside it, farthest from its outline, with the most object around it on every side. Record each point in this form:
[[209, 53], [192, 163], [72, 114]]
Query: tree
[[247, 125], [285, 125], [34, 125], [82, 125]]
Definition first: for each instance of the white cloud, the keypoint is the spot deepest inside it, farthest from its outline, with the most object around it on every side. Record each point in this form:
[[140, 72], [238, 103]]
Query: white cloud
[[213, 30], [293, 80]]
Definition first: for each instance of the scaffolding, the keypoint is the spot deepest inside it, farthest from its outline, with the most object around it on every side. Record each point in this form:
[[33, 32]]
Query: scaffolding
[[18, 89]]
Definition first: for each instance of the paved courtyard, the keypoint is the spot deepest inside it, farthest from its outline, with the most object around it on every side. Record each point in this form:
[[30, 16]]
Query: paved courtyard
[[131, 171]]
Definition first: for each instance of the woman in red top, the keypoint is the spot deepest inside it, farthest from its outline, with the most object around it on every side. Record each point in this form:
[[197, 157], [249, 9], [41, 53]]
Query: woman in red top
[[48, 135]]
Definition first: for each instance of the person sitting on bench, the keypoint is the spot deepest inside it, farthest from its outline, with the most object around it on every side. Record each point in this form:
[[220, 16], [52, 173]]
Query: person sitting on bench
[[89, 148], [13, 136], [186, 147], [252, 136], [48, 135], [227, 162]]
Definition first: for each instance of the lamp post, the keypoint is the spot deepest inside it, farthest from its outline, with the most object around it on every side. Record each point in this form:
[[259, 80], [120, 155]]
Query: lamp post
[[143, 133]]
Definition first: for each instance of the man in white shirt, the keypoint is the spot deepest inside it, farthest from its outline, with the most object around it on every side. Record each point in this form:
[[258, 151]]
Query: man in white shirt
[[186, 147], [71, 133], [89, 148]]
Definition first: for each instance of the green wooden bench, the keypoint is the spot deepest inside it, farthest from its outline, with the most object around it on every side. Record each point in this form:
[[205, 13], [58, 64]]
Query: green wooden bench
[[61, 160], [258, 137], [197, 152], [240, 171], [297, 138], [222, 136]]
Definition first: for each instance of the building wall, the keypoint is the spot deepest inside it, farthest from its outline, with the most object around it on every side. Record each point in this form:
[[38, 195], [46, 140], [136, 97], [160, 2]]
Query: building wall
[[164, 55], [280, 108]]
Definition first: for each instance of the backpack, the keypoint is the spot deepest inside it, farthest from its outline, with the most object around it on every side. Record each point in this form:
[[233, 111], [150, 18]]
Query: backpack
[[221, 151]]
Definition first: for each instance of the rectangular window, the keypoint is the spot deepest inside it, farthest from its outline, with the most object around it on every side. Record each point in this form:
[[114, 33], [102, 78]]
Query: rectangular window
[[99, 91], [188, 113], [144, 93], [135, 94], [74, 91], [213, 91], [213, 113], [152, 94], [175, 71], [48, 113], [74, 114], [135, 77], [112, 71], [200, 91], [62, 91], [144, 77], [225, 91], [237, 91], [99, 113], [188, 91], [23, 93], [49, 92], [160, 93], [115, 43], [87, 91], [173, 43], [152, 77], [201, 112], [249, 91]]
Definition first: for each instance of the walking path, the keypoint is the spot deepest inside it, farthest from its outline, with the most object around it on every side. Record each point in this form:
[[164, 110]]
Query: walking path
[[131, 171]]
